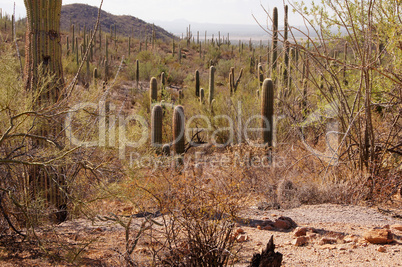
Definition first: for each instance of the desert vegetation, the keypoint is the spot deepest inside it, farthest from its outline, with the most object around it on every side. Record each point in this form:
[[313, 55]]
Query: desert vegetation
[[171, 138]]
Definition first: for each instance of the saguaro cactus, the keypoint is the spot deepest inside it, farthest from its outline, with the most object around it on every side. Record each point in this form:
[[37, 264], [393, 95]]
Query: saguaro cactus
[[267, 112], [274, 40], [43, 48], [153, 91], [156, 127], [211, 83], [43, 45], [202, 95], [197, 83], [178, 130]]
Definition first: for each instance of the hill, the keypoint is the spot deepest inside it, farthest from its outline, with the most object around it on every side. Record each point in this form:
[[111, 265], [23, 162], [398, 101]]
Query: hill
[[82, 14]]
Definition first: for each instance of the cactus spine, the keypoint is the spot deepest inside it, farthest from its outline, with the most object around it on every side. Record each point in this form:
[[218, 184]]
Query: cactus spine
[[211, 83], [156, 127], [153, 91], [197, 83], [267, 112], [178, 130]]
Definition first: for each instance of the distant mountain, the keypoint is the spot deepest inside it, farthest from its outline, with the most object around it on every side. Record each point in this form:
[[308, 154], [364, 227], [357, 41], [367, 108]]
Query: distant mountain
[[82, 14]]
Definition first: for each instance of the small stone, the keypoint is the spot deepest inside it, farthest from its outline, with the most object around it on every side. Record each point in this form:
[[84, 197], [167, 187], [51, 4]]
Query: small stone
[[240, 231], [300, 241], [300, 231], [382, 249], [378, 236], [328, 246], [351, 238], [327, 240], [397, 227], [259, 227]]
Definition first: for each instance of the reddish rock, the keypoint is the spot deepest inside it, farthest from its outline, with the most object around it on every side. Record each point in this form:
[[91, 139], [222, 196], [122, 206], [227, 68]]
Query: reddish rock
[[300, 241], [397, 227], [300, 231], [284, 223], [378, 236]]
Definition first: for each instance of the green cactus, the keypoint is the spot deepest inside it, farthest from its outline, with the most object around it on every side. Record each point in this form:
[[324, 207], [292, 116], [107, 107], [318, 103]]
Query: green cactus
[[178, 130], [197, 83], [137, 72], [286, 48], [43, 44], [153, 91], [156, 127], [260, 74], [95, 76], [73, 39], [211, 83], [274, 41], [267, 112], [202, 95], [231, 73]]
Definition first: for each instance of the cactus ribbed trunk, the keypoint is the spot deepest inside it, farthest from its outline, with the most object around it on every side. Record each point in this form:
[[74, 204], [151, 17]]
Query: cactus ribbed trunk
[[178, 130], [156, 127], [43, 59], [211, 83], [267, 112], [153, 91], [43, 45], [197, 83], [274, 41]]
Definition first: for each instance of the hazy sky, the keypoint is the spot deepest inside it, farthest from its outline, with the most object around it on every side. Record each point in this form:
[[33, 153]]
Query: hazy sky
[[214, 11]]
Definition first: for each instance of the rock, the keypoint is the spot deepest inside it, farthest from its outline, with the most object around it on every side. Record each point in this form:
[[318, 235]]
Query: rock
[[397, 227], [268, 227], [378, 236], [300, 241], [382, 249], [300, 231], [351, 238], [284, 223], [240, 231], [327, 240], [268, 257], [242, 238]]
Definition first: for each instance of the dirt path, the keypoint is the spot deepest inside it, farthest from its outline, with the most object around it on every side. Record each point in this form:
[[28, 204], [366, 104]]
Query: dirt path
[[337, 241]]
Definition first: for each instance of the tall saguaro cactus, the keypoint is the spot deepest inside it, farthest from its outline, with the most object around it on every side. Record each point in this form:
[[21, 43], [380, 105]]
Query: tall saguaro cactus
[[42, 60], [153, 91], [178, 130], [156, 127], [197, 83], [267, 112], [274, 40], [43, 45], [211, 83]]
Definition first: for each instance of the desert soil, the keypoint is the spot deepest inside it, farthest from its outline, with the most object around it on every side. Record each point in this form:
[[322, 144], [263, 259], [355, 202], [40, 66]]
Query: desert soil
[[337, 239]]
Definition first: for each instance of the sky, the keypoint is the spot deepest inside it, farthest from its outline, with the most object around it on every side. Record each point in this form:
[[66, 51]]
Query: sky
[[202, 11]]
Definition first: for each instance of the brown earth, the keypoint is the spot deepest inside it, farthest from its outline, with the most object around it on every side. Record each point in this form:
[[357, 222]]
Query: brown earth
[[334, 238]]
